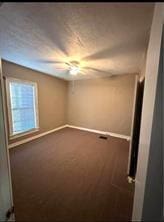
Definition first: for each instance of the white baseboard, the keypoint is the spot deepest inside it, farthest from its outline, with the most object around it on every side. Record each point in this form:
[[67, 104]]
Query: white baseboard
[[61, 127], [34, 137], [101, 132]]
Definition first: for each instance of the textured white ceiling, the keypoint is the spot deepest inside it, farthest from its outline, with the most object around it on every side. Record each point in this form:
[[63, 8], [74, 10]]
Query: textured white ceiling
[[111, 37]]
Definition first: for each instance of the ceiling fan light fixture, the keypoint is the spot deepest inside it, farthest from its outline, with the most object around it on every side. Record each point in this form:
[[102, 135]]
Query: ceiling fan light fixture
[[74, 70]]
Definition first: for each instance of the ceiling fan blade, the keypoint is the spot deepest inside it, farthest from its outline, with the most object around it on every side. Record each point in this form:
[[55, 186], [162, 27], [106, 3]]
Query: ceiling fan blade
[[67, 72], [101, 54], [97, 70], [82, 72], [63, 72], [52, 62], [57, 68]]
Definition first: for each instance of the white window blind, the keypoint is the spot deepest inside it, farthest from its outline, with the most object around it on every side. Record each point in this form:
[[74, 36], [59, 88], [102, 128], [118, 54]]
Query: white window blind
[[22, 105]]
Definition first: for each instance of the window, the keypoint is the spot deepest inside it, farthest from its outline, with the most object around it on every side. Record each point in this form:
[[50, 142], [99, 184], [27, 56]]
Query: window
[[22, 106]]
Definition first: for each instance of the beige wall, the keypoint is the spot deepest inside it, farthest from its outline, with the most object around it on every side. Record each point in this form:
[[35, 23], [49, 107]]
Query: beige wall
[[52, 96], [102, 104]]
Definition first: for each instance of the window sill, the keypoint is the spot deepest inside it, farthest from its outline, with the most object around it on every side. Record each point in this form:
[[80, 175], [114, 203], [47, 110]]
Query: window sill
[[23, 134]]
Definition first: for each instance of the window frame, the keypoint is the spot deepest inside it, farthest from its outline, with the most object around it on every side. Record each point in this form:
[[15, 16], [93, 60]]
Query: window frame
[[10, 128]]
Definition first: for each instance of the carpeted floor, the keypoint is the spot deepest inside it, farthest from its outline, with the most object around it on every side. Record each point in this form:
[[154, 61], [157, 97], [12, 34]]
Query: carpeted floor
[[71, 175]]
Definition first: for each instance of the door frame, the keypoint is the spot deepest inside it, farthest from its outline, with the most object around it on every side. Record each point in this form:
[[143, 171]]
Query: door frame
[[151, 73], [133, 117], [7, 202]]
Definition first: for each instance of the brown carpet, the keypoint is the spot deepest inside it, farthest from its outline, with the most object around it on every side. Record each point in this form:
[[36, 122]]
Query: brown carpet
[[71, 175]]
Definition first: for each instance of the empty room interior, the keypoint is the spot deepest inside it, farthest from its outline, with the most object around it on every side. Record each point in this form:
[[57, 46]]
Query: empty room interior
[[79, 97]]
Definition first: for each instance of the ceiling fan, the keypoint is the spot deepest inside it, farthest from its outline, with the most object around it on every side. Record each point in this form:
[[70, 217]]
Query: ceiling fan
[[74, 67]]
